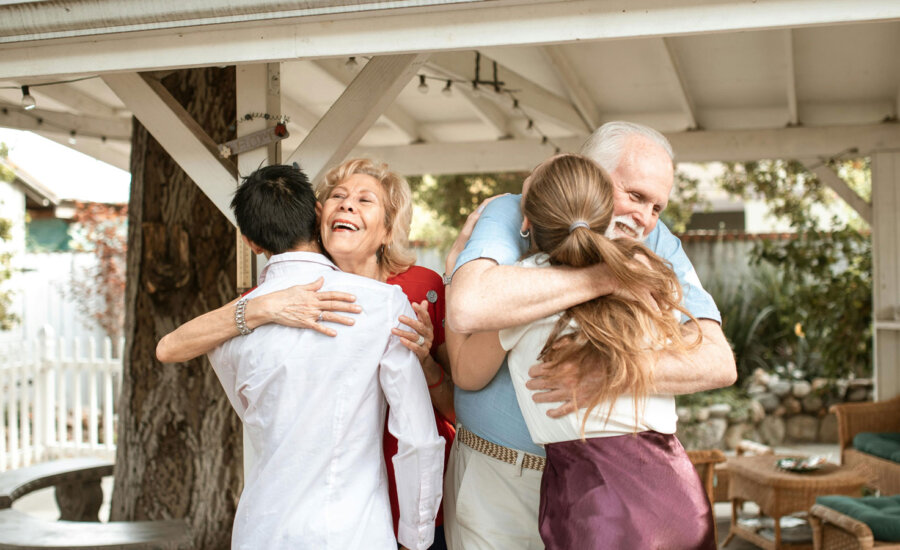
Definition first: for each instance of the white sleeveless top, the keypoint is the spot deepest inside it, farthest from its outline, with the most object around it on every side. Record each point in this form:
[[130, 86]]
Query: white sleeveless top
[[525, 342]]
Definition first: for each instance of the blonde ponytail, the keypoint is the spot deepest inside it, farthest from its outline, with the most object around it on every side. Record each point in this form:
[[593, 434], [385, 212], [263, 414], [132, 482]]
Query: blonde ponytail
[[619, 340]]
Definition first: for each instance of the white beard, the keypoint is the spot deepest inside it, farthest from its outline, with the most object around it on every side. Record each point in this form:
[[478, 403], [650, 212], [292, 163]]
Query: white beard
[[614, 232]]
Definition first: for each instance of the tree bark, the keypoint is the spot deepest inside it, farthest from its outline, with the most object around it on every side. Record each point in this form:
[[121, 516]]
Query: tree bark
[[179, 441]]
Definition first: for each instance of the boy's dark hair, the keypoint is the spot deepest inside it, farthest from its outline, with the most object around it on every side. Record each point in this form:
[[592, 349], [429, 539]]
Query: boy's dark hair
[[275, 207]]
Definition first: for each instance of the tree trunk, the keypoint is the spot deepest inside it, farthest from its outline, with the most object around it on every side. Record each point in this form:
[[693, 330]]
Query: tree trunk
[[179, 441]]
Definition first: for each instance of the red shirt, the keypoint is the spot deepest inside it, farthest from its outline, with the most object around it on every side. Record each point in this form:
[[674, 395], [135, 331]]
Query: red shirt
[[417, 282]]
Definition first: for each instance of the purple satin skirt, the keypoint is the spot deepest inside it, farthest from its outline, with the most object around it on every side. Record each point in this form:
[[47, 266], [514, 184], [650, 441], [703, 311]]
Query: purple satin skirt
[[635, 491]]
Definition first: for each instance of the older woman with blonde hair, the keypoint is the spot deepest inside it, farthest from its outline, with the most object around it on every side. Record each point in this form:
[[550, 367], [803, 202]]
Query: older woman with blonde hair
[[365, 211]]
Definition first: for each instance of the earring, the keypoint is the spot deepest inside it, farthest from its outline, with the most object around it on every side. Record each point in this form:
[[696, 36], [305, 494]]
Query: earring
[[525, 234]]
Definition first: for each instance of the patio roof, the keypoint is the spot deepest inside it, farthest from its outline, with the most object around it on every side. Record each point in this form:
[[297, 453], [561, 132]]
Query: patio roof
[[724, 79]]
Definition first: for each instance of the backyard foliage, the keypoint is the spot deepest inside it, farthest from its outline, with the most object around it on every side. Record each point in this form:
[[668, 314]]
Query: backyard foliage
[[99, 290], [809, 307], [8, 319]]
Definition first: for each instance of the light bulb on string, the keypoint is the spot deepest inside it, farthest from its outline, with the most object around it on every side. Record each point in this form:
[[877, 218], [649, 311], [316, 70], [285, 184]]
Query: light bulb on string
[[28, 102], [423, 86], [351, 63], [72, 140], [447, 89]]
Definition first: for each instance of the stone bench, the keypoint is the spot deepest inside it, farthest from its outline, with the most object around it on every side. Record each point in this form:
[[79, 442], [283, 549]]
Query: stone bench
[[79, 496]]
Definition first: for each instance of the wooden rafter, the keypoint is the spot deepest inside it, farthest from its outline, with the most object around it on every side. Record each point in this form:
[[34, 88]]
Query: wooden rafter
[[676, 75], [791, 78], [830, 178], [14, 116], [537, 101], [696, 146], [363, 101], [179, 134], [395, 116], [575, 89]]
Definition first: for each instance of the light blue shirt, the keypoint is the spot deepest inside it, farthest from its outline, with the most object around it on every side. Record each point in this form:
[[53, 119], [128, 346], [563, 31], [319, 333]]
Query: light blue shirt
[[493, 412]]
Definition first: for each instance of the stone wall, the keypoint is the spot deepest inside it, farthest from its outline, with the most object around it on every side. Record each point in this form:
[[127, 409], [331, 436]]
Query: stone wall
[[779, 412]]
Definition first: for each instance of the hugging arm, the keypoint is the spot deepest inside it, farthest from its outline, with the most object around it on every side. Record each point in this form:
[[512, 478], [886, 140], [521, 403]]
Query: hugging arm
[[298, 306], [709, 366], [485, 282], [418, 464], [474, 358], [487, 296]]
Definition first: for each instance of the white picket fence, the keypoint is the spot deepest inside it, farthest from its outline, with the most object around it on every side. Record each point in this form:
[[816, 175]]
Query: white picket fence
[[57, 399]]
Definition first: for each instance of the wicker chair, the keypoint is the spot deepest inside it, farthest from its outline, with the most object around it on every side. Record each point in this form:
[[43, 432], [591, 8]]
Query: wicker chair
[[879, 417], [704, 462], [833, 530]]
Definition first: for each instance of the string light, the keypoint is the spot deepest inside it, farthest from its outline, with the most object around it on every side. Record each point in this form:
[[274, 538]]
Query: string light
[[351, 63], [447, 89], [423, 86], [27, 99]]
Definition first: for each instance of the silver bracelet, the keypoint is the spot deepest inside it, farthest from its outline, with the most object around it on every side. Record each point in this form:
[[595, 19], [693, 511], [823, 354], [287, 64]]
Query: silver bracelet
[[239, 317]]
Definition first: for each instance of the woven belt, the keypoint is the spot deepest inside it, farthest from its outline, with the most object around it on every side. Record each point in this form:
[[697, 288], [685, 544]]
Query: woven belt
[[499, 452]]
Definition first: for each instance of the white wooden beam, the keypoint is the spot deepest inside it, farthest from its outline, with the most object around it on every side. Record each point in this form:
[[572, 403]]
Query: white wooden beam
[[886, 272], [575, 89], [830, 178], [698, 146], [676, 75], [897, 105], [299, 114], [200, 39], [111, 152], [363, 101], [790, 77], [78, 101], [179, 135], [14, 116], [535, 100], [395, 116], [488, 111]]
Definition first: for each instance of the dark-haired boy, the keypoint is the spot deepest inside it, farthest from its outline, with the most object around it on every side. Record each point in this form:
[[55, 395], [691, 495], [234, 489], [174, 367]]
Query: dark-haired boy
[[313, 405]]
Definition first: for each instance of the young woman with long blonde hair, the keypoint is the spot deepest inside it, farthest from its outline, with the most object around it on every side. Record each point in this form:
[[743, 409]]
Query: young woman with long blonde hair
[[616, 476]]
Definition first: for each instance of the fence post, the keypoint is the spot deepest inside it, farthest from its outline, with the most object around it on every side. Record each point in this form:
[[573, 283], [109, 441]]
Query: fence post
[[46, 348]]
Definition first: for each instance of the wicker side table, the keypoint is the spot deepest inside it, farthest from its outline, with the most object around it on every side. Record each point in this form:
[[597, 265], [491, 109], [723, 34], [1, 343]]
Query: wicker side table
[[779, 493]]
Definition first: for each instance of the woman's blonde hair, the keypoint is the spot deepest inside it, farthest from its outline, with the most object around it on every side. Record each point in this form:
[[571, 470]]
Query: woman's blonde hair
[[395, 257], [619, 339]]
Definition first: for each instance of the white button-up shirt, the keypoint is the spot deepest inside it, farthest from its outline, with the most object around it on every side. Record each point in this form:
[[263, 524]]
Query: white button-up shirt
[[313, 408]]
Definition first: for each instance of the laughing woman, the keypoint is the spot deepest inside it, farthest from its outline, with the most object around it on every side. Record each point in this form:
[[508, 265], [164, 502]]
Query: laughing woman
[[365, 211]]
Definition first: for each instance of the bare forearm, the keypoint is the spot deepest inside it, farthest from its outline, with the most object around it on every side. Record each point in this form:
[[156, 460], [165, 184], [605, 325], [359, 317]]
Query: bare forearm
[[707, 367], [440, 387], [202, 334], [474, 358], [485, 296]]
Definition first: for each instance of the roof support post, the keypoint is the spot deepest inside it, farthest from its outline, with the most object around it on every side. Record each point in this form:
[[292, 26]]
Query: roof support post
[[365, 99], [886, 272], [677, 76], [793, 116], [830, 178], [574, 87], [179, 134], [394, 115]]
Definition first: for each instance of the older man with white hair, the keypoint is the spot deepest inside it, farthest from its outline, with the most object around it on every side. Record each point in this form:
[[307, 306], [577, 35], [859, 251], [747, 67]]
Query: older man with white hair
[[492, 485]]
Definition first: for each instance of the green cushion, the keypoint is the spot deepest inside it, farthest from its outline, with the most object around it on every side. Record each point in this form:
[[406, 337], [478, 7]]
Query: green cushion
[[882, 445], [881, 514]]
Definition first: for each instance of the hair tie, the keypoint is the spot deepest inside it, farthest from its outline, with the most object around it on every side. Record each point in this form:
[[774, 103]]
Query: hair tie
[[579, 223]]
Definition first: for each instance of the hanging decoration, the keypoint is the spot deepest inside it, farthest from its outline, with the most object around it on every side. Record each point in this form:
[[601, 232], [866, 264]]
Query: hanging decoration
[[258, 139]]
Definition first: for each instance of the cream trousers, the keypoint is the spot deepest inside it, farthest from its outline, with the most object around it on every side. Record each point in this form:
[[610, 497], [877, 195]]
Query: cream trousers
[[490, 504]]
